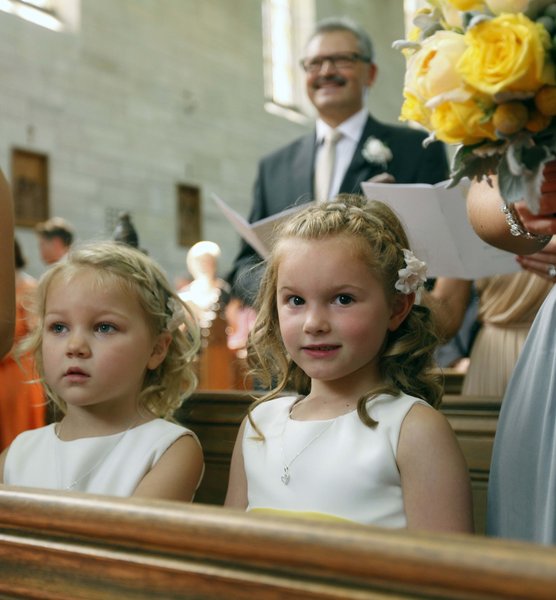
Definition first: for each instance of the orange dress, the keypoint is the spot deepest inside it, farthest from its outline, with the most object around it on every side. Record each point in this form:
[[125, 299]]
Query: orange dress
[[22, 404]]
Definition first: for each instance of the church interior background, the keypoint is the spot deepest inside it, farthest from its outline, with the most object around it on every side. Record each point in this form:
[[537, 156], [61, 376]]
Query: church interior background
[[151, 107]]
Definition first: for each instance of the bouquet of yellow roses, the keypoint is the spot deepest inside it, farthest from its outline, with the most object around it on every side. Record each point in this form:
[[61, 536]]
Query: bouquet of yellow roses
[[481, 74]]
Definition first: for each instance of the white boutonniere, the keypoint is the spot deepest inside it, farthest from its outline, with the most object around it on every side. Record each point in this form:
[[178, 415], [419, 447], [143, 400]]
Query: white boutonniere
[[376, 152]]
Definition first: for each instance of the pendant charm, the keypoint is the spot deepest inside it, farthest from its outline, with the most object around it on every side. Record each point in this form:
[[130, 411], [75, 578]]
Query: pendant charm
[[286, 476]]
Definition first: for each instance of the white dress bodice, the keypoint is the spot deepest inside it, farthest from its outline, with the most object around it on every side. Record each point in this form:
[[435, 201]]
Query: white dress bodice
[[113, 465], [338, 468]]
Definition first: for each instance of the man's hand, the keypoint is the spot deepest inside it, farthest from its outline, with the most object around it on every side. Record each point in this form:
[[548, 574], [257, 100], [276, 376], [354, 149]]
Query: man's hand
[[382, 178]]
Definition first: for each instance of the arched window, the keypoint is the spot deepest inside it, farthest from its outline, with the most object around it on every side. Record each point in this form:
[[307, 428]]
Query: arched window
[[286, 26]]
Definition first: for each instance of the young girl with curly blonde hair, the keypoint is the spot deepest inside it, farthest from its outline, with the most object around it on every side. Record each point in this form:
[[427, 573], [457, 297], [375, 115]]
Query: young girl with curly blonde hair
[[358, 439], [113, 346]]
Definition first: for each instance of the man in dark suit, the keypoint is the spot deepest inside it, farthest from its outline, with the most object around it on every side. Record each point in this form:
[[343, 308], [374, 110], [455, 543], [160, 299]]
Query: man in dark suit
[[340, 69]]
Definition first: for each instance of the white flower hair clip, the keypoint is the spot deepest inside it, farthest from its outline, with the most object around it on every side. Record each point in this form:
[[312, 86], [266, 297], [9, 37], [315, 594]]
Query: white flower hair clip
[[376, 152], [176, 315], [413, 276]]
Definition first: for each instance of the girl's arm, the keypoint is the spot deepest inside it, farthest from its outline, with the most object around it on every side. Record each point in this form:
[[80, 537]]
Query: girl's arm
[[434, 475], [236, 496], [7, 269], [176, 475]]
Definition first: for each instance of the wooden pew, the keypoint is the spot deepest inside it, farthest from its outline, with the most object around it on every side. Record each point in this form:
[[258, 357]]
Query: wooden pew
[[452, 380], [71, 547], [216, 416]]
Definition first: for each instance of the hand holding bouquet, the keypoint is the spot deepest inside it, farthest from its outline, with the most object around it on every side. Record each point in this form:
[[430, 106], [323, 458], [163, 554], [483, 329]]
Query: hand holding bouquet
[[481, 74]]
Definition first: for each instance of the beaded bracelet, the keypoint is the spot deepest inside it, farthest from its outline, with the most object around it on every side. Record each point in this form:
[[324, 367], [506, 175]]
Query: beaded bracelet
[[516, 227]]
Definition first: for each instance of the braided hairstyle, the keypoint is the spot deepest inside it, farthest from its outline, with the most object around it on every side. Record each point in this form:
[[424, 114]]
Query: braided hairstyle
[[114, 263], [379, 238]]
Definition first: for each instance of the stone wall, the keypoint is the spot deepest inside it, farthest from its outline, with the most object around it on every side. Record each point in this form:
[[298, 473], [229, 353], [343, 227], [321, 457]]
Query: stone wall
[[149, 94]]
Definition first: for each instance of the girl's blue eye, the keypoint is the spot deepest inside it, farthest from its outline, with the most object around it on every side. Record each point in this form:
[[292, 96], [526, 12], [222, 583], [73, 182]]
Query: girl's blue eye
[[105, 328], [57, 328], [296, 300], [344, 299]]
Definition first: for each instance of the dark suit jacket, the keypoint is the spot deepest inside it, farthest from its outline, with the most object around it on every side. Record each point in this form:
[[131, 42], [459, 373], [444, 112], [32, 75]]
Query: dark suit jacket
[[285, 178]]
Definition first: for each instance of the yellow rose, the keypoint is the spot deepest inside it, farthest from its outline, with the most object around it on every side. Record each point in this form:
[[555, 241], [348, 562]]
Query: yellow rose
[[414, 110], [507, 6], [506, 53], [461, 123], [465, 4], [431, 71], [451, 10]]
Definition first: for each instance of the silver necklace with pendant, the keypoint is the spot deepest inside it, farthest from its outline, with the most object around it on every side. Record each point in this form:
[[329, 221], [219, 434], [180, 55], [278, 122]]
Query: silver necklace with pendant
[[103, 457], [286, 477]]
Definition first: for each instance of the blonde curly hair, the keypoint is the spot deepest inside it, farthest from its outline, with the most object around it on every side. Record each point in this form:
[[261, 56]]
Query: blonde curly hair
[[407, 355], [113, 263]]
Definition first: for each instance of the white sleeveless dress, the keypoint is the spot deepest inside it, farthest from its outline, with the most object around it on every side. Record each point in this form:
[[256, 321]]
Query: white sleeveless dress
[[113, 465], [338, 468]]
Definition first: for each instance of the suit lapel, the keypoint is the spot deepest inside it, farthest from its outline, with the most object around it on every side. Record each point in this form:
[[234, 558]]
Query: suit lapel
[[360, 169]]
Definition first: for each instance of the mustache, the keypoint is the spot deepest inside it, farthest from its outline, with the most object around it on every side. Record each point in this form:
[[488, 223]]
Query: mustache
[[333, 78]]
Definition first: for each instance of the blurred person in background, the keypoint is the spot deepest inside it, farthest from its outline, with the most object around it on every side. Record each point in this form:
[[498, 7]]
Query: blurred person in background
[[55, 238], [22, 402]]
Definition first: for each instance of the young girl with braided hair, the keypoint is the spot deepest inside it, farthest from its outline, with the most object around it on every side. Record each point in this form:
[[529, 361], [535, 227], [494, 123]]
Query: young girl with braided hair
[[359, 438], [113, 346]]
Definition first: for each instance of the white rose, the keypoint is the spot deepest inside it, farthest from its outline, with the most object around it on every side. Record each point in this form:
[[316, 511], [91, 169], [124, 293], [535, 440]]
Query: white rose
[[431, 71]]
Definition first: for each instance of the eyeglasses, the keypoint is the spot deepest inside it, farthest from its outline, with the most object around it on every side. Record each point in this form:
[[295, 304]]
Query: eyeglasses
[[337, 61]]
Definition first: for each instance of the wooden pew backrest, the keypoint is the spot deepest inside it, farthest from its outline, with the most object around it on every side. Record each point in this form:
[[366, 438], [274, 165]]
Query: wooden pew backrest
[[215, 417], [70, 547]]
